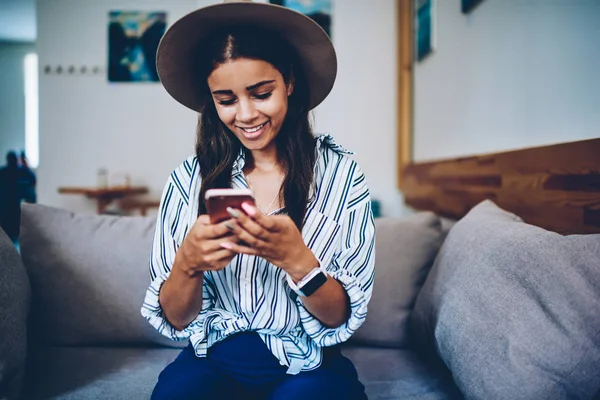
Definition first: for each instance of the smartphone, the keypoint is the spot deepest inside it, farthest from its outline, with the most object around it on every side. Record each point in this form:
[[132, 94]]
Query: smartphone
[[217, 201]]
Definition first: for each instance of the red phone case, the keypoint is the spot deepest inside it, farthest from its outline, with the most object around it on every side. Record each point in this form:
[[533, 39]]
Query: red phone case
[[217, 206]]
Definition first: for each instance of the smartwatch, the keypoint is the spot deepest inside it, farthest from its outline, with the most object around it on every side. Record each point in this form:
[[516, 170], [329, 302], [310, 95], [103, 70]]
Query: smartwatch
[[309, 284]]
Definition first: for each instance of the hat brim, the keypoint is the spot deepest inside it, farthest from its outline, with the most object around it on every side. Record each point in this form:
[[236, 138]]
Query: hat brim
[[176, 51]]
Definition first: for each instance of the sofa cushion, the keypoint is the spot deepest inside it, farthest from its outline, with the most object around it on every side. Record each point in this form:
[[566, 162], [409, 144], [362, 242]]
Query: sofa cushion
[[14, 306], [92, 373], [400, 374], [513, 309], [404, 251], [89, 274]]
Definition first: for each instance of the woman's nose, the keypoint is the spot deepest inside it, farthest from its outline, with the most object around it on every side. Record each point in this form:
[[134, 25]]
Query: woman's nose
[[247, 111]]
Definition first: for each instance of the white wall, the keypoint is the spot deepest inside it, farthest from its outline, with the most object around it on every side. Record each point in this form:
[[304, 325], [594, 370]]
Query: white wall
[[87, 123], [361, 110], [17, 21], [513, 73], [12, 96]]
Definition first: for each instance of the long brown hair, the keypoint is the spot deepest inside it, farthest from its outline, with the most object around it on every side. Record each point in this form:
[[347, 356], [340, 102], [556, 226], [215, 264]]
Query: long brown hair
[[217, 148]]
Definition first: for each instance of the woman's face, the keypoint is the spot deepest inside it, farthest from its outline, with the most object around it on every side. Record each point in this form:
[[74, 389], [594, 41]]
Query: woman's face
[[251, 99]]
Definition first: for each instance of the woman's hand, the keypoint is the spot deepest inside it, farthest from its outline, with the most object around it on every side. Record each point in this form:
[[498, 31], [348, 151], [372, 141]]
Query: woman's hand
[[201, 249], [277, 239], [274, 238]]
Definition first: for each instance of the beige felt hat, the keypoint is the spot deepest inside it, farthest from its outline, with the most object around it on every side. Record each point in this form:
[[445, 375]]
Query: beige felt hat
[[175, 54]]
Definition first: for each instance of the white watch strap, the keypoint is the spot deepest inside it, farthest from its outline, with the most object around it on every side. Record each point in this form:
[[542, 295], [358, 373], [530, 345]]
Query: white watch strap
[[293, 286]]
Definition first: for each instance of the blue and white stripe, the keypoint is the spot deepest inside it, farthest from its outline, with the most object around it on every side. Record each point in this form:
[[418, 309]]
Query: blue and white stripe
[[253, 294]]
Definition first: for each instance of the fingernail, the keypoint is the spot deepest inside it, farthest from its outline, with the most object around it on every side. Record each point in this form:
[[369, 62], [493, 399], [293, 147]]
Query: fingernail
[[249, 209], [232, 212], [227, 245], [229, 225]]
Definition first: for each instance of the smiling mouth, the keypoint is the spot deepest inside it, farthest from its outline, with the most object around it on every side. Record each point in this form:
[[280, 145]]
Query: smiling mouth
[[253, 129]]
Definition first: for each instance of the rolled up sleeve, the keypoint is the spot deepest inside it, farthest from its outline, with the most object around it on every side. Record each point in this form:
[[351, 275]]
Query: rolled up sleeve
[[152, 311], [352, 266], [170, 222]]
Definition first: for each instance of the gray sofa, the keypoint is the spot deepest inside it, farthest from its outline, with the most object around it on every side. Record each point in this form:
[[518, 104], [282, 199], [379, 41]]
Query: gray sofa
[[492, 309]]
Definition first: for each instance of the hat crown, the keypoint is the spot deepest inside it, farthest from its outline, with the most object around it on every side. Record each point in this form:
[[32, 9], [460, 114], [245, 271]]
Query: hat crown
[[314, 49]]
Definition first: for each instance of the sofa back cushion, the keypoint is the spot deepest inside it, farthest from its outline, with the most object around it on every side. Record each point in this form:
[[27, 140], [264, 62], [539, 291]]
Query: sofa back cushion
[[14, 306], [89, 274], [404, 252], [514, 310]]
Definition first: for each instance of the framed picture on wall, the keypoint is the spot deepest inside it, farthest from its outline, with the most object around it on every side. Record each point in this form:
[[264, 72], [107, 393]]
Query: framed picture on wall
[[133, 38], [467, 5], [318, 10], [425, 28]]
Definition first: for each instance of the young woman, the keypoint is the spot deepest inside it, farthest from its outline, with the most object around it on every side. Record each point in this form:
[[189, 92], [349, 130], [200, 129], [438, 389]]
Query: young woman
[[266, 296]]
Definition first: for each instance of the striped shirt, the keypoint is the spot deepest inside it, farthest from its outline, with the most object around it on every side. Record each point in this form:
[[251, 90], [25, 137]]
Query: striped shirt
[[253, 294]]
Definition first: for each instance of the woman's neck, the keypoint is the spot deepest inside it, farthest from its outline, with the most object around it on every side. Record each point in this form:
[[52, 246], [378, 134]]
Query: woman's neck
[[265, 160]]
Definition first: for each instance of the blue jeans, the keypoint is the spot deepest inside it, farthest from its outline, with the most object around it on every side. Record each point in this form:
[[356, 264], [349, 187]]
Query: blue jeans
[[242, 367]]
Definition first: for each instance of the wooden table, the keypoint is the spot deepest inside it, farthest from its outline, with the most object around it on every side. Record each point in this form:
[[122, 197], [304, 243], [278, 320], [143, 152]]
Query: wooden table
[[104, 196], [141, 205]]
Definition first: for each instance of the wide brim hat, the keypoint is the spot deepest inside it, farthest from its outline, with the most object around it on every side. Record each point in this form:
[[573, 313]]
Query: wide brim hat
[[177, 49]]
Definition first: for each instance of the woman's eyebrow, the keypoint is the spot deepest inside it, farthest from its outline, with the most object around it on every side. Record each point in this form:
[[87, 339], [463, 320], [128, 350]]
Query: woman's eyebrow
[[222, 92], [248, 88], [259, 84]]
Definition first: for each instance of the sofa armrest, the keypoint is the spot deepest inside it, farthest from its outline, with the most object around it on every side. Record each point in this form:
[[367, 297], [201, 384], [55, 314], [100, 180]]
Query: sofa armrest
[[15, 293]]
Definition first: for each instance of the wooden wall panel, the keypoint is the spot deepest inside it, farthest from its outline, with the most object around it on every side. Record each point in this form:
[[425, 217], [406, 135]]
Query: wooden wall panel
[[405, 35], [555, 187]]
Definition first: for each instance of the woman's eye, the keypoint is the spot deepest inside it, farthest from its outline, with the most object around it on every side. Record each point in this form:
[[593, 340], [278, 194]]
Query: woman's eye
[[226, 102], [263, 96]]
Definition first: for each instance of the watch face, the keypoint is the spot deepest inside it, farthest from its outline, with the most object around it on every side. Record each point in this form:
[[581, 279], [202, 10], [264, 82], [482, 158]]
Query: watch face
[[316, 282]]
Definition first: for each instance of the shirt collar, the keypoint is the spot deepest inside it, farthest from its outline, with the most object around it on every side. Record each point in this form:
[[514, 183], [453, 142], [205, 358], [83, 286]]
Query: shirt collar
[[238, 164], [328, 141]]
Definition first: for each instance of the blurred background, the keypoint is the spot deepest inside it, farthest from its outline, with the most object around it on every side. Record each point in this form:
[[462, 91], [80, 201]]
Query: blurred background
[[507, 74]]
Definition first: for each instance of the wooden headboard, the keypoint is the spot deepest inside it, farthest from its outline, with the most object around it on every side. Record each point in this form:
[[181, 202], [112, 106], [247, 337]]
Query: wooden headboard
[[555, 187]]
